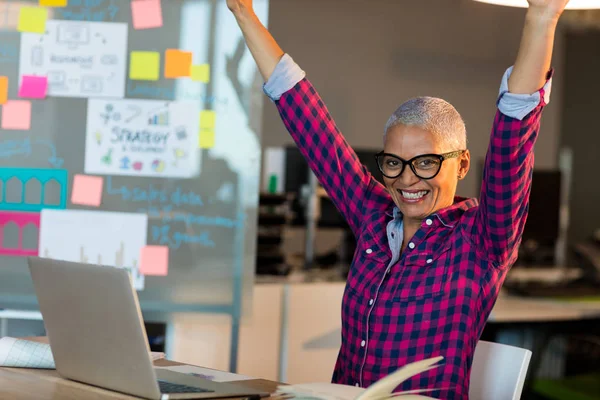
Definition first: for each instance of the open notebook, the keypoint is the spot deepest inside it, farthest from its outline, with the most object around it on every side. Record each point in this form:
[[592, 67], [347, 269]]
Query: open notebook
[[19, 353], [380, 390]]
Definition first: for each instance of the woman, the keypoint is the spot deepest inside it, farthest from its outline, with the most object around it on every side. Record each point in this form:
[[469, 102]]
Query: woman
[[428, 265]]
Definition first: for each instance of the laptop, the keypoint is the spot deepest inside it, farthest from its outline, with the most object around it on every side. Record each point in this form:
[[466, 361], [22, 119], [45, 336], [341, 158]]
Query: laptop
[[97, 335]]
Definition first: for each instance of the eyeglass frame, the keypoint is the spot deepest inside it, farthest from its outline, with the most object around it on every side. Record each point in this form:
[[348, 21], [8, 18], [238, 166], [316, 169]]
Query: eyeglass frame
[[441, 157]]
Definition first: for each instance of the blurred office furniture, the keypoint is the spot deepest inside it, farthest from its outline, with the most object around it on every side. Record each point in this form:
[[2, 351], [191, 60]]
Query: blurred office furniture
[[273, 216], [498, 371], [582, 379], [313, 209]]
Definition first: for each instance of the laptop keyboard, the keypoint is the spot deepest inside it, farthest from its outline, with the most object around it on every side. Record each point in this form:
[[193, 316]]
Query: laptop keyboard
[[169, 387]]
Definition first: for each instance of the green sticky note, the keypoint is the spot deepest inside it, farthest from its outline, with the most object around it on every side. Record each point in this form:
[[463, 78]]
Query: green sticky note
[[201, 73], [144, 65], [32, 19], [208, 119]]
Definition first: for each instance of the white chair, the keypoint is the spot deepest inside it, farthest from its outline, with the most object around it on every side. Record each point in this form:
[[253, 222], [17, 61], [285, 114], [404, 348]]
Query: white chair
[[498, 371]]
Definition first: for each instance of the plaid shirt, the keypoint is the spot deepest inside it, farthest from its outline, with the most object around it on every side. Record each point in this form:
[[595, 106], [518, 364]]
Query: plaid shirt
[[435, 298]]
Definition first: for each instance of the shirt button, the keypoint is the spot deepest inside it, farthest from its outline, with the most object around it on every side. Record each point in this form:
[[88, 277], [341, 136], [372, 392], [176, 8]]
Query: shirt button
[[362, 344], [369, 251], [356, 384], [411, 245], [429, 261], [371, 302], [428, 221]]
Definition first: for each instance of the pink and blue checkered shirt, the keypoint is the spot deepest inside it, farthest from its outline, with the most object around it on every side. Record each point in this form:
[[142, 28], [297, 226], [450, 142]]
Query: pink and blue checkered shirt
[[433, 299]]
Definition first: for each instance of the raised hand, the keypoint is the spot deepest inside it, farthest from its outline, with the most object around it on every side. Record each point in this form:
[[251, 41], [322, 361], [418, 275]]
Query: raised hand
[[548, 8], [238, 6]]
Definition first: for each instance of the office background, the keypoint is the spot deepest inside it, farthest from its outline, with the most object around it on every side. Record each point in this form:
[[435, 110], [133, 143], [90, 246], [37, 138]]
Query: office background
[[365, 58]]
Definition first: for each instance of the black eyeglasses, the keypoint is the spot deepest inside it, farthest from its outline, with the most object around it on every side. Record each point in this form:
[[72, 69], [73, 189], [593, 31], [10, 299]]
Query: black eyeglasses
[[425, 166]]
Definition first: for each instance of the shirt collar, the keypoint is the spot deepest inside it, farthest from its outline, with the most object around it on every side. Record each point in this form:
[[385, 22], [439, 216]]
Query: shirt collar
[[447, 216]]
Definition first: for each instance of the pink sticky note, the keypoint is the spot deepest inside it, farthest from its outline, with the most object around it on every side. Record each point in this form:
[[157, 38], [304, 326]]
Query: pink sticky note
[[16, 114], [146, 14], [33, 87], [154, 260], [87, 190]]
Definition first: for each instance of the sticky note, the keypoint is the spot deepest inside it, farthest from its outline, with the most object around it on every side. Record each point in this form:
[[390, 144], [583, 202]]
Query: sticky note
[[146, 14], [87, 190], [177, 63], [144, 65], [3, 89], [206, 139], [53, 3], [201, 73], [208, 119], [154, 260], [32, 19], [33, 87], [16, 114]]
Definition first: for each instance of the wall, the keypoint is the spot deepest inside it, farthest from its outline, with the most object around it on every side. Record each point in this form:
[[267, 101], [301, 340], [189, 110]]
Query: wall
[[366, 57], [580, 130]]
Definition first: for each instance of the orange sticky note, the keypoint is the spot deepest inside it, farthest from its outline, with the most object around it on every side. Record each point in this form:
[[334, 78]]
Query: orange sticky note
[[87, 190], [177, 63], [146, 14], [53, 3], [3, 89], [154, 260], [16, 115], [33, 87]]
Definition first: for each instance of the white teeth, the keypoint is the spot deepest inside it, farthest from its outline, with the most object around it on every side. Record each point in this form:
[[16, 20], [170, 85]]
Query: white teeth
[[413, 196]]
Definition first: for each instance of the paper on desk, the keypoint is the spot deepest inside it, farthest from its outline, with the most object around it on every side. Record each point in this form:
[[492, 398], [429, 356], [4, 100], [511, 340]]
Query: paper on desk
[[19, 353], [207, 373]]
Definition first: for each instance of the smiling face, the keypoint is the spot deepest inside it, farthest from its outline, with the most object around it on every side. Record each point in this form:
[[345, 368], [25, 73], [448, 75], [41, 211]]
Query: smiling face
[[417, 198]]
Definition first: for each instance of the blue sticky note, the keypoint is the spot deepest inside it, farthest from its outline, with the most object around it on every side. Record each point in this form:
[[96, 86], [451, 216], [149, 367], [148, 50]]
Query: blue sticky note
[[43, 181]]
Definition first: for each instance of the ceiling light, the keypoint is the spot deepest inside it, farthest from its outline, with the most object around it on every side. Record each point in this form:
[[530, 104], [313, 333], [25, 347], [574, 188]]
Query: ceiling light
[[573, 4]]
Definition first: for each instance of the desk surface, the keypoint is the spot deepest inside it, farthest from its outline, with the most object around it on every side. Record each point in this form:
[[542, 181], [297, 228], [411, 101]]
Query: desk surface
[[31, 384]]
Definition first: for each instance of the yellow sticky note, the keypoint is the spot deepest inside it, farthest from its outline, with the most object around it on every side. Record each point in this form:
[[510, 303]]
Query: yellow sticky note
[[208, 119], [3, 89], [207, 139], [201, 73], [53, 3], [144, 65], [32, 19]]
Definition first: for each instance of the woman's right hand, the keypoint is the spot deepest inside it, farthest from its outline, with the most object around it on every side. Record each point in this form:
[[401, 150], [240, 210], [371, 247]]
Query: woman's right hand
[[239, 6]]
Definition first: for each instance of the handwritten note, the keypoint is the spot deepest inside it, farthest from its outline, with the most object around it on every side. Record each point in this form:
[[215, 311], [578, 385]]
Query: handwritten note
[[146, 14], [3, 89], [32, 19], [144, 65], [87, 190], [154, 260], [16, 115], [201, 73], [177, 63], [208, 119], [53, 3], [33, 87]]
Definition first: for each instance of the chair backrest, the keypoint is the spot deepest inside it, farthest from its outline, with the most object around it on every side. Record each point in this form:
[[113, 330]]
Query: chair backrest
[[498, 371]]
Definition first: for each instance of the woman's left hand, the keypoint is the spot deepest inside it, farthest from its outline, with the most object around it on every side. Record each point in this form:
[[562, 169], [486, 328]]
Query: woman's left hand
[[548, 8]]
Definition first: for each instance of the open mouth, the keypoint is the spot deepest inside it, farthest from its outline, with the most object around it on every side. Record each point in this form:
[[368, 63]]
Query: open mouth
[[413, 196]]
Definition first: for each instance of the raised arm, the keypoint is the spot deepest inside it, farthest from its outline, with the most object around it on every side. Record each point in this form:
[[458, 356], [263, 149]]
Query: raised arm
[[265, 50], [525, 89], [308, 121]]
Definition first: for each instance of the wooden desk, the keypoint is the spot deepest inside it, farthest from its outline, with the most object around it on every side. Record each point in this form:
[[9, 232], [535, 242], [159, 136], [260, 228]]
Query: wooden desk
[[36, 384]]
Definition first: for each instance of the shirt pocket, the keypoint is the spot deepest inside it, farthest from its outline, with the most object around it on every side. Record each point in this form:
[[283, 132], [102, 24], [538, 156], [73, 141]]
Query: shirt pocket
[[423, 276], [368, 265]]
